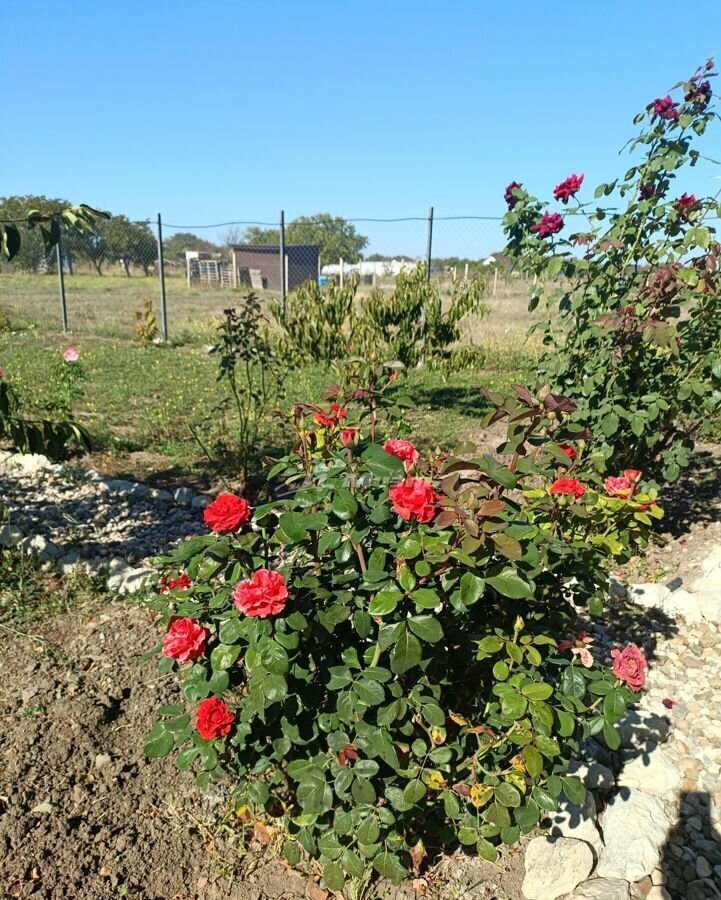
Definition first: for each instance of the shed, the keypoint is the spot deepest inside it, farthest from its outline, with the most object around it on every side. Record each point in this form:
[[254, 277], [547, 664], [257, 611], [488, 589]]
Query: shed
[[302, 263]]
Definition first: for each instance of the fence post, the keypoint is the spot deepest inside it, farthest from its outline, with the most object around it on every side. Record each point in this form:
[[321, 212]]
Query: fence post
[[495, 280], [430, 244], [61, 282], [283, 285], [161, 273]]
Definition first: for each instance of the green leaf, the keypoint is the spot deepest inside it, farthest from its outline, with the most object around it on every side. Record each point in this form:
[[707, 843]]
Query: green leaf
[[427, 628], [159, 742], [333, 877], [384, 603], [406, 653], [507, 795], [314, 794], [344, 504], [291, 529], [426, 598], [472, 588], [614, 707], [510, 584], [382, 464], [573, 788], [573, 683], [389, 866], [533, 760], [497, 814], [414, 791], [486, 850], [513, 706], [353, 864], [223, 656], [537, 691], [611, 736]]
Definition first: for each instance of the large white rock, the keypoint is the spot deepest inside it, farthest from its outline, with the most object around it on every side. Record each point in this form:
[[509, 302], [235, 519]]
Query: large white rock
[[648, 595], [554, 866], [125, 579], [634, 826], [579, 822], [704, 602], [31, 463], [602, 889], [40, 546], [653, 772], [642, 729], [712, 561], [594, 775]]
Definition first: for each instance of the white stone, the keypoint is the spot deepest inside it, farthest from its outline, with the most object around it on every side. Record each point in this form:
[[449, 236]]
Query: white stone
[[634, 826], [554, 866], [640, 729], [183, 496], [30, 463], [102, 760], [579, 822], [648, 595], [602, 889], [128, 580], [44, 808], [10, 536], [694, 606], [594, 775], [653, 772], [712, 561], [41, 547], [161, 495]]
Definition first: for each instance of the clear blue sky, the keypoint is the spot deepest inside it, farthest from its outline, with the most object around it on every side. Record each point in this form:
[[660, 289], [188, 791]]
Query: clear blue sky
[[217, 110]]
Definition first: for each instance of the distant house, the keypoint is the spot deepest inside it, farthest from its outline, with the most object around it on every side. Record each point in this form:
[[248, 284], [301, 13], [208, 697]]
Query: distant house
[[259, 265]]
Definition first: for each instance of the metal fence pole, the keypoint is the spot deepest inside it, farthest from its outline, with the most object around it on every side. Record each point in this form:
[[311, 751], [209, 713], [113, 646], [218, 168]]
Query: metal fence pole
[[283, 285], [61, 282], [430, 244], [161, 273]]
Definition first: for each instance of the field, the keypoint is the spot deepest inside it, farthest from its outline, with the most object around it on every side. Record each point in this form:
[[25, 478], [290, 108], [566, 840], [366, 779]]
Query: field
[[140, 403]]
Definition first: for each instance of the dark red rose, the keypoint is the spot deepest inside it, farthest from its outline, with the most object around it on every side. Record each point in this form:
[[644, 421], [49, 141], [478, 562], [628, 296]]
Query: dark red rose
[[646, 191], [227, 513], [415, 500], [566, 189], [665, 108], [686, 204], [508, 194], [184, 640], [551, 223], [213, 719], [567, 486], [262, 595], [700, 94]]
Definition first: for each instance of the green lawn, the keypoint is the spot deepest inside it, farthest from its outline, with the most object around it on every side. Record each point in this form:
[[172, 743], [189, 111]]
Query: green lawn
[[140, 403]]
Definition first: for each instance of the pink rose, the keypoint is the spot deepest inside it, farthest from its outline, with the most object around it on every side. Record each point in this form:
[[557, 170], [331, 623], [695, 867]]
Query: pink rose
[[184, 640], [349, 437], [71, 355], [629, 665], [618, 487], [579, 648]]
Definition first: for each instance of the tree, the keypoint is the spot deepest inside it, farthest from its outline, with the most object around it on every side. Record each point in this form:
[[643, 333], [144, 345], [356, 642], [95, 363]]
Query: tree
[[175, 246], [336, 237]]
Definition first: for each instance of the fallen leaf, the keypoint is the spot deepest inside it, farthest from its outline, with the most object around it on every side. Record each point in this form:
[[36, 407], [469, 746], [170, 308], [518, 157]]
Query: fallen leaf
[[316, 893], [262, 834], [418, 853], [420, 886]]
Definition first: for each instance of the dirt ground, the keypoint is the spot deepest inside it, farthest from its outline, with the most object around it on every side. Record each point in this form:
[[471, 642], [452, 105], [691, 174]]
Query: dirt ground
[[84, 815]]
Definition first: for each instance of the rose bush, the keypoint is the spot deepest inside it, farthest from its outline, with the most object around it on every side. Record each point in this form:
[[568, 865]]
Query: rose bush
[[637, 282], [386, 658]]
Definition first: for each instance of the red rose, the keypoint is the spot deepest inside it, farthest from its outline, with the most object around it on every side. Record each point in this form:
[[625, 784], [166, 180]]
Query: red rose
[[404, 450], [633, 475], [568, 450], [213, 719], [567, 486], [349, 437], [551, 223], [646, 191], [182, 583], [262, 595], [686, 204], [630, 665], [337, 414], [508, 194], [665, 108], [184, 640], [227, 513], [566, 189], [618, 487], [414, 500]]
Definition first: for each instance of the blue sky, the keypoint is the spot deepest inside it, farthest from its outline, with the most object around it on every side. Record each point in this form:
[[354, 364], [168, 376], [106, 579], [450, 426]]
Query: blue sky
[[222, 110]]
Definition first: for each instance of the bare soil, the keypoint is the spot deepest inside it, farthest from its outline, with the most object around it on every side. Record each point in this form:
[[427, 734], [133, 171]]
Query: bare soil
[[84, 815]]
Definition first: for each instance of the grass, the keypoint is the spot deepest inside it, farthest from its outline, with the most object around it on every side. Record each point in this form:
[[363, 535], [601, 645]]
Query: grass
[[141, 404]]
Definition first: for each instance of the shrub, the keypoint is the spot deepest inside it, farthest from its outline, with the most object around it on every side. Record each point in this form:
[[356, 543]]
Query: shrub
[[639, 340], [377, 654], [146, 325], [52, 427], [251, 372], [329, 324]]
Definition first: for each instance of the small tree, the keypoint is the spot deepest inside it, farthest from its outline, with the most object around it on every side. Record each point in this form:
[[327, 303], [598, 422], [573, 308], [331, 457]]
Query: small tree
[[336, 237]]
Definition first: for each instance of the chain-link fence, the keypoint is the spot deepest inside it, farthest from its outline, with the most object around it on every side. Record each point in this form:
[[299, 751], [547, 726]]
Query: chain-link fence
[[112, 281]]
